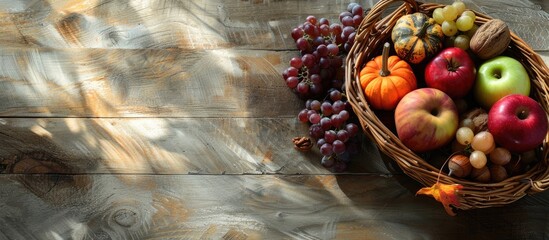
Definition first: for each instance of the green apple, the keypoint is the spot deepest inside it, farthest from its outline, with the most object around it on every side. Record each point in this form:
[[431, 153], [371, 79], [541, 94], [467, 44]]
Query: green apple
[[499, 77]]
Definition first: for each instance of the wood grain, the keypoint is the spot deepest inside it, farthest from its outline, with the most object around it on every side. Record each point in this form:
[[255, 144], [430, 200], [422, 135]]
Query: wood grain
[[164, 146], [249, 207], [145, 83], [202, 24]]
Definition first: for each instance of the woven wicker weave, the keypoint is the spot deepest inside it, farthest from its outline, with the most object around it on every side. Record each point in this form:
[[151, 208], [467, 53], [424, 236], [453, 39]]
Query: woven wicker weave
[[373, 32]]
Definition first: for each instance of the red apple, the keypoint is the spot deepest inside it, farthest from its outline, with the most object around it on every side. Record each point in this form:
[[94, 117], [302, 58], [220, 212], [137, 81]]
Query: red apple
[[517, 123], [426, 119], [451, 71]]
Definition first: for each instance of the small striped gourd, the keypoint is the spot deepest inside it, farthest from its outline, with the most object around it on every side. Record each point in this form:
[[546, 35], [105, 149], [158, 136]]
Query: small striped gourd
[[417, 37]]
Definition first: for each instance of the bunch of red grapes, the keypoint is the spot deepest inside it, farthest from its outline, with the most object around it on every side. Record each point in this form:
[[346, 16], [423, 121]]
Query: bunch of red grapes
[[313, 76]]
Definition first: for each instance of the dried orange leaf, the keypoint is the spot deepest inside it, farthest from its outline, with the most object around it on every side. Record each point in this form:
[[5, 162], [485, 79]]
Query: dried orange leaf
[[444, 193]]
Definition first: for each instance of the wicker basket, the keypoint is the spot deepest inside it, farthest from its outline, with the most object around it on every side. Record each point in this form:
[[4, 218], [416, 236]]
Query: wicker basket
[[373, 32]]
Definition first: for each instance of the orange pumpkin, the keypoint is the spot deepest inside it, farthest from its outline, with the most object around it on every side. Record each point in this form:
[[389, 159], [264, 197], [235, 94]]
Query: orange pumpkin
[[385, 80]]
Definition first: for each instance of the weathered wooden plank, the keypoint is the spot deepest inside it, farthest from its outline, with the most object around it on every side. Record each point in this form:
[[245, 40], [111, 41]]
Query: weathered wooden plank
[[205, 24], [166, 24], [248, 207], [39, 82], [154, 82], [164, 146]]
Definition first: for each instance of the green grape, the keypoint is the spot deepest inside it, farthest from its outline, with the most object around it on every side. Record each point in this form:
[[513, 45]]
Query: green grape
[[449, 28], [449, 13], [469, 13], [437, 15], [460, 6], [464, 23], [472, 31], [478, 159], [464, 135], [462, 41], [483, 141]]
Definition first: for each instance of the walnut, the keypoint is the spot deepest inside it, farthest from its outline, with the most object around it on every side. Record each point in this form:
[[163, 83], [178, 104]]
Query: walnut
[[491, 39], [303, 144]]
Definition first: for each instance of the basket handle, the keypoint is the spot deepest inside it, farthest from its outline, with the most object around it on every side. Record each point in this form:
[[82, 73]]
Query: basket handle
[[375, 14]]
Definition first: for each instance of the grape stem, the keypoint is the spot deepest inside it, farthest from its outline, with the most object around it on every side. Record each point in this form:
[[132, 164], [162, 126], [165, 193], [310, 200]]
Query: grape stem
[[384, 72]]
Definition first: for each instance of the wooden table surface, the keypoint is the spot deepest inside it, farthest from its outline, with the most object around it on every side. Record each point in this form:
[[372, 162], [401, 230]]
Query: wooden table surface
[[165, 119]]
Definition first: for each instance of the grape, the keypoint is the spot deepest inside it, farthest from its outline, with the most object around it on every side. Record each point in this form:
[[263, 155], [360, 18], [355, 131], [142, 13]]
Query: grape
[[302, 116], [315, 79], [324, 63], [500, 156], [326, 109], [472, 31], [308, 104], [308, 60], [347, 21], [464, 135], [292, 82], [327, 161], [343, 135], [449, 13], [335, 95], [351, 6], [326, 149], [316, 74], [470, 13], [324, 21], [357, 19], [302, 44], [352, 129], [449, 28], [311, 30], [322, 50], [357, 10], [316, 89], [310, 112], [459, 6], [351, 38], [467, 122], [315, 105], [344, 115], [338, 147], [333, 49], [347, 31], [462, 41], [464, 23], [297, 33], [315, 131], [330, 136], [336, 29], [338, 106], [302, 88], [314, 118], [296, 62], [477, 159], [326, 123], [437, 15], [320, 142], [311, 19], [483, 141], [344, 14], [293, 72], [336, 121], [318, 41], [324, 30]]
